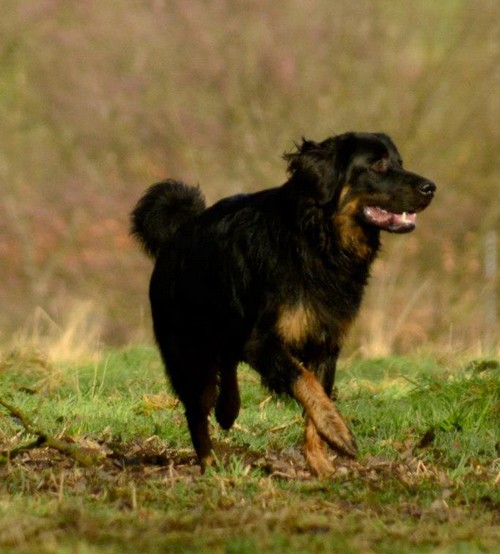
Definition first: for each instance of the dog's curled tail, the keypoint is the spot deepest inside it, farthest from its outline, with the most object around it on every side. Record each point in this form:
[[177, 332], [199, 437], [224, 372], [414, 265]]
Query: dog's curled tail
[[162, 210]]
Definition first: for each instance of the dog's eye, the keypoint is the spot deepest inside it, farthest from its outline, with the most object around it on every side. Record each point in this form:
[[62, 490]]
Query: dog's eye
[[380, 166]]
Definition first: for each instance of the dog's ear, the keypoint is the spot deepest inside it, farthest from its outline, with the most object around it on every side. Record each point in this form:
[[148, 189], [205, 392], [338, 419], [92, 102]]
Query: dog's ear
[[315, 170], [386, 139]]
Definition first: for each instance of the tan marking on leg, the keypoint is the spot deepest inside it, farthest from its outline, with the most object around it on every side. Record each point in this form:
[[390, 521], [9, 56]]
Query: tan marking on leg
[[197, 417], [206, 461], [327, 419], [315, 452]]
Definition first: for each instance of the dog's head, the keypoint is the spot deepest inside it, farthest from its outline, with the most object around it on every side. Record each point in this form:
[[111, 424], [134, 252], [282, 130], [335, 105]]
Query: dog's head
[[360, 175]]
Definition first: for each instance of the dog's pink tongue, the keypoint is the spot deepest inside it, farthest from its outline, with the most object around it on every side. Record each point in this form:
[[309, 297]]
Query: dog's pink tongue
[[378, 216], [390, 220]]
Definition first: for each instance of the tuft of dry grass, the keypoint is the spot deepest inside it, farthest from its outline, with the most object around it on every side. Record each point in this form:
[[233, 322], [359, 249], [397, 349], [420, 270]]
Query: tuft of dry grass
[[75, 337]]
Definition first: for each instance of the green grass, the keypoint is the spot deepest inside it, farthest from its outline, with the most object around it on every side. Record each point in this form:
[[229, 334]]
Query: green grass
[[428, 433]]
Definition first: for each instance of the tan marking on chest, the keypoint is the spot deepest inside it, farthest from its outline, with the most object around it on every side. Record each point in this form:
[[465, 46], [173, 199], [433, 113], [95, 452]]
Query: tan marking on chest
[[296, 323]]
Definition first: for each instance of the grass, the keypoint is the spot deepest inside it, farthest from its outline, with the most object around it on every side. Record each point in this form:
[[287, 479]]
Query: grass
[[426, 481]]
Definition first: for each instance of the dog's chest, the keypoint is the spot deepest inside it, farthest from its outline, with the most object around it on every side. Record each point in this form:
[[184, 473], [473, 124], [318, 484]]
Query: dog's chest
[[296, 323], [301, 323]]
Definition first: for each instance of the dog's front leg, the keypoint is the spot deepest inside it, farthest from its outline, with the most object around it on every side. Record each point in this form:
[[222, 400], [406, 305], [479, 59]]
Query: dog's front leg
[[324, 415], [282, 372]]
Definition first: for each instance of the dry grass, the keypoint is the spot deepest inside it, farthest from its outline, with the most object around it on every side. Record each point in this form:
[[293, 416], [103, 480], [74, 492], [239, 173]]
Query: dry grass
[[75, 337]]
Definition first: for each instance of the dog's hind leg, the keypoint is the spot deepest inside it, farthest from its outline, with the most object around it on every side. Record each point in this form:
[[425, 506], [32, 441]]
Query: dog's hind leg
[[228, 401], [198, 399], [197, 418]]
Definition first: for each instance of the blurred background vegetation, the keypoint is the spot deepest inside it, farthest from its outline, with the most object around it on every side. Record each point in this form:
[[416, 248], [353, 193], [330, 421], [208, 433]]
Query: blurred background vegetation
[[99, 99]]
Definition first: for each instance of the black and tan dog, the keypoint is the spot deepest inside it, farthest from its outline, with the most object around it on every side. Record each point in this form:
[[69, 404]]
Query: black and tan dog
[[274, 279]]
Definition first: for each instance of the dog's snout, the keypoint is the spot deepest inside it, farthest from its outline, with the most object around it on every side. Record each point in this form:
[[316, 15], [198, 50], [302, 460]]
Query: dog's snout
[[427, 188]]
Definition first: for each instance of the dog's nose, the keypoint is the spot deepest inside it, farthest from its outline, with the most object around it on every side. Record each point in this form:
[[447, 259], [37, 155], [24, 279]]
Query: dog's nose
[[426, 188]]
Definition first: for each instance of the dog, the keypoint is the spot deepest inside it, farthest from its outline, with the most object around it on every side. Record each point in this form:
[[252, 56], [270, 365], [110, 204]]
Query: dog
[[273, 279]]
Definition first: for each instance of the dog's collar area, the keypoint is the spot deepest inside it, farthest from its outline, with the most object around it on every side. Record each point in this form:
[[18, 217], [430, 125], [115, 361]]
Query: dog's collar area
[[403, 222]]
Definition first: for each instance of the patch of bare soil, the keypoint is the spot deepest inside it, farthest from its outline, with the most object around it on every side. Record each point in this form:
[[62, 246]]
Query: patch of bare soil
[[150, 457]]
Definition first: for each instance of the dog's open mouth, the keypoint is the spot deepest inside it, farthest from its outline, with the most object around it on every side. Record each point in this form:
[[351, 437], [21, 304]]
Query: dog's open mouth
[[389, 221]]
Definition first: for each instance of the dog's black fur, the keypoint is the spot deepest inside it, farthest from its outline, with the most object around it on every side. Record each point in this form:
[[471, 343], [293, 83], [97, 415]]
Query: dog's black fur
[[272, 278]]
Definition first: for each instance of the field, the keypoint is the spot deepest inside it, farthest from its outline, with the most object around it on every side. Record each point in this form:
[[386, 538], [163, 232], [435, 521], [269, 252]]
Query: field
[[100, 99], [427, 479]]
